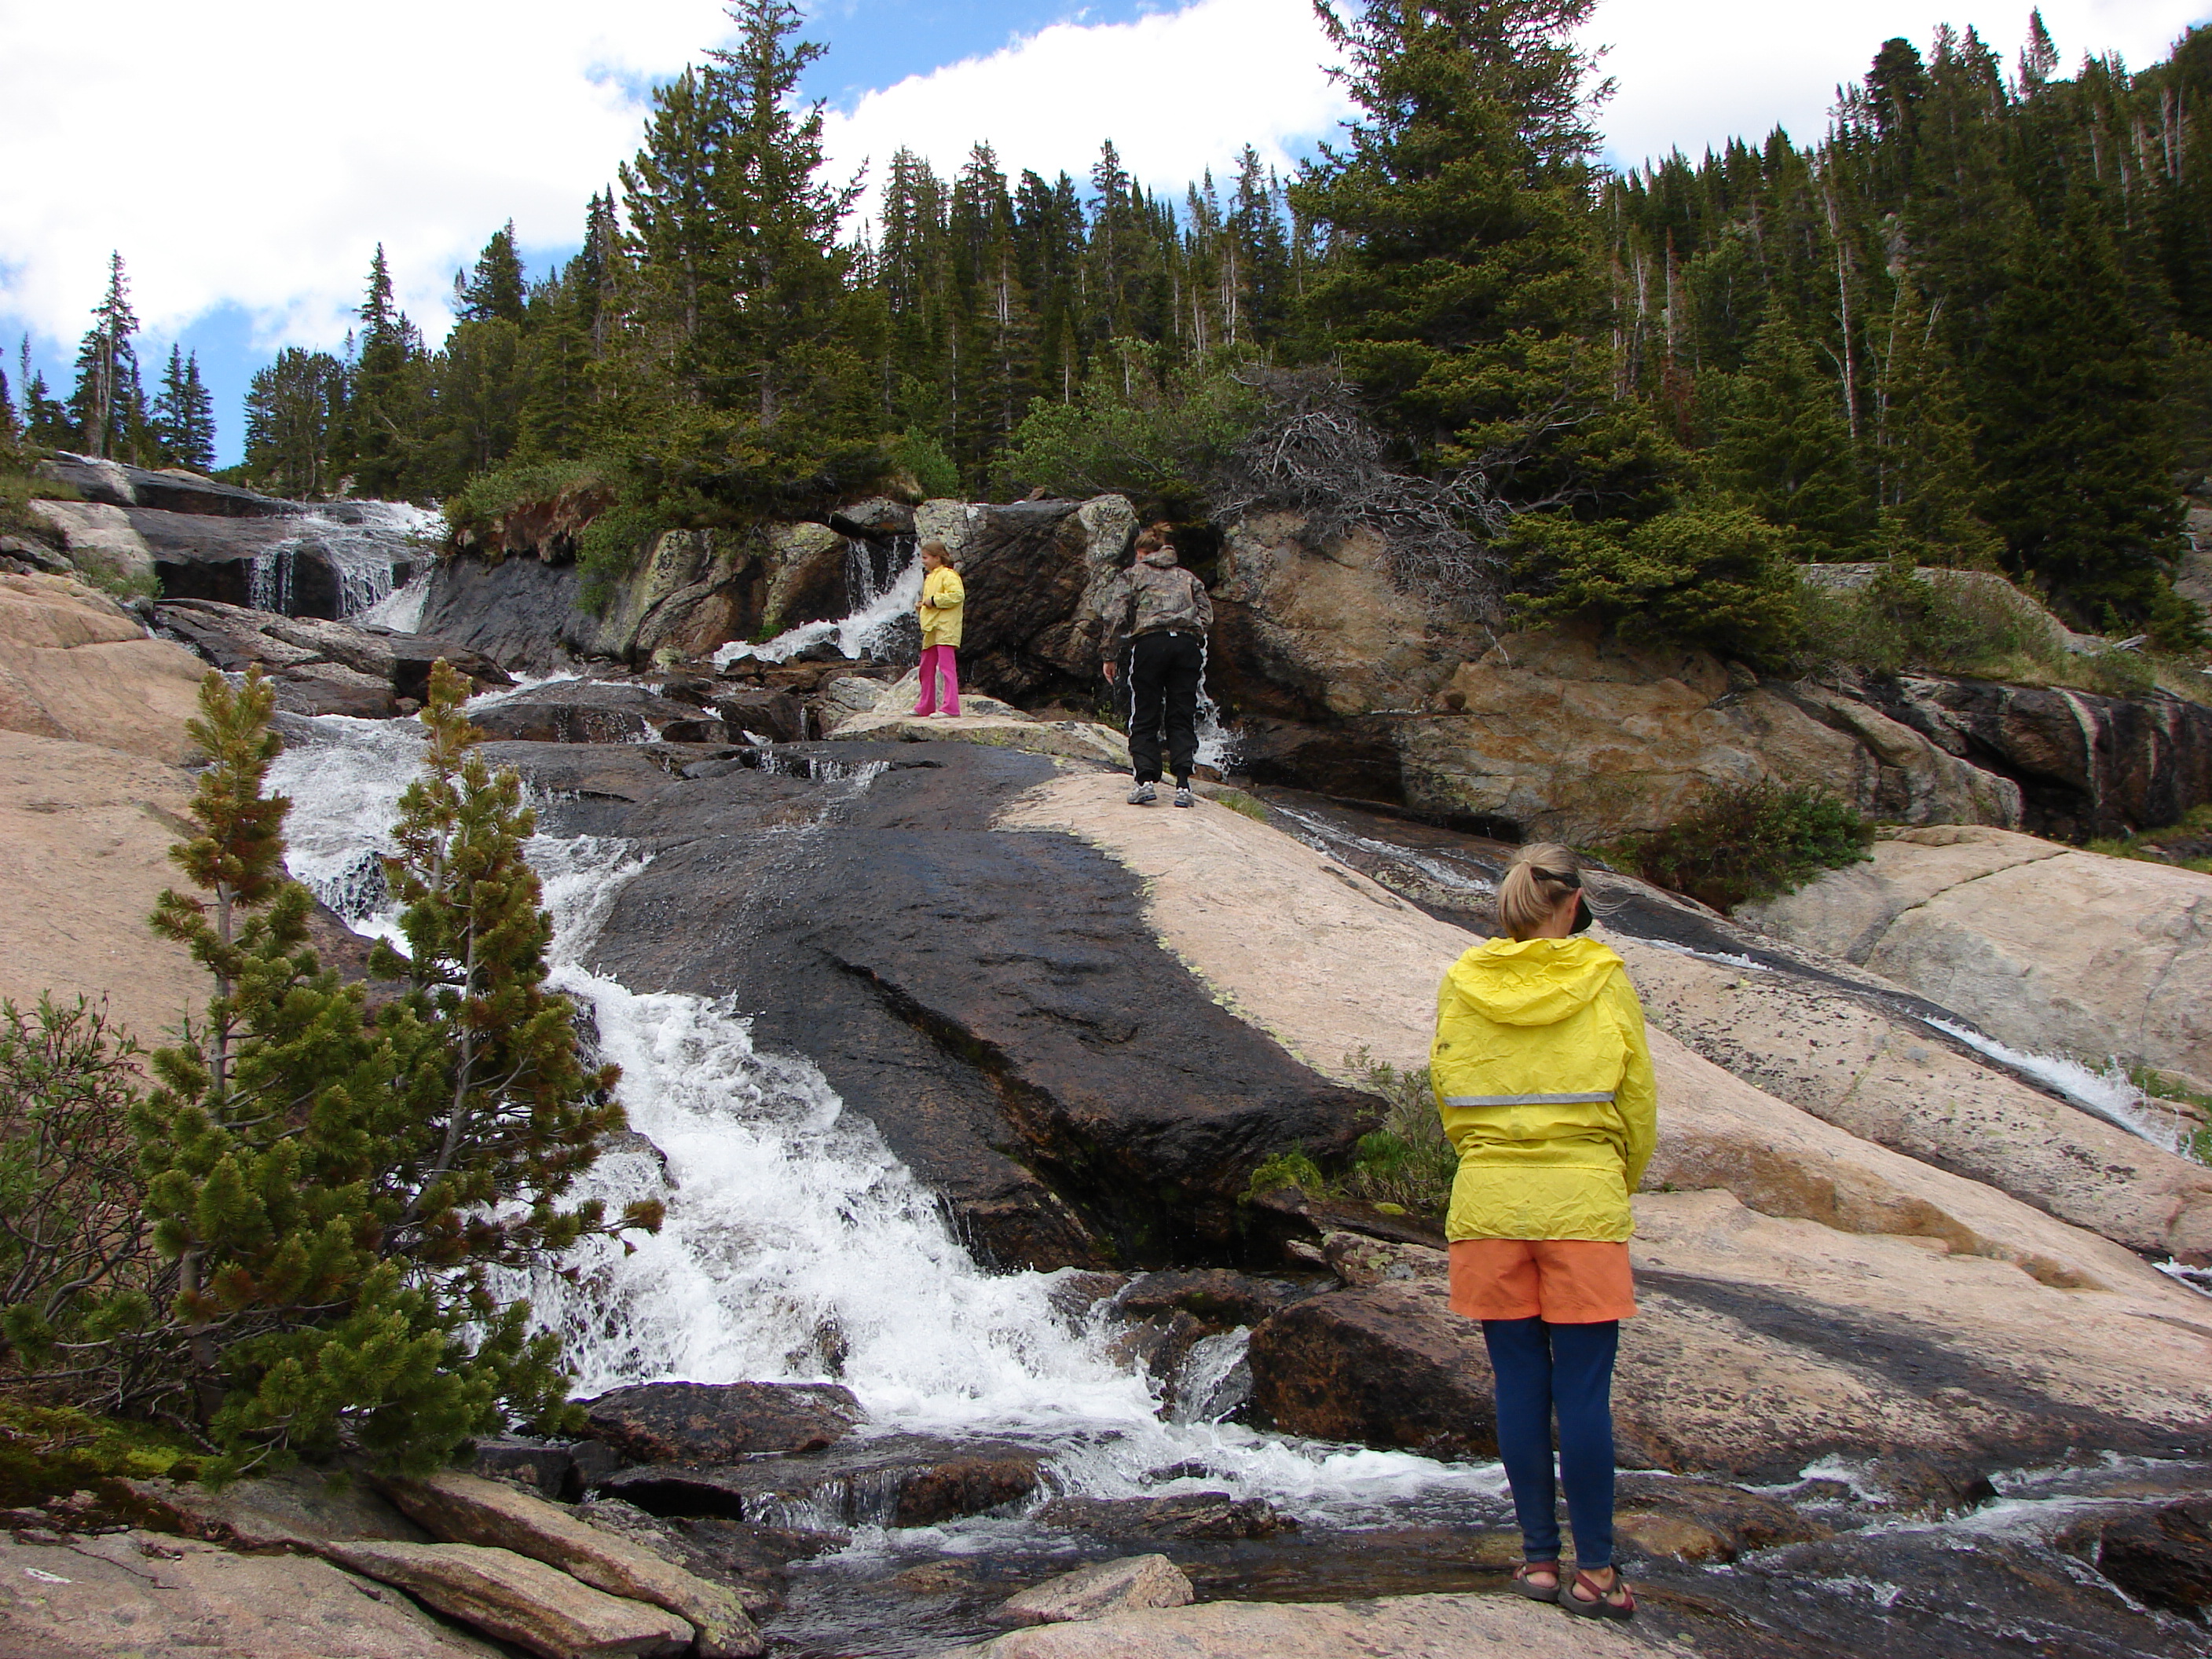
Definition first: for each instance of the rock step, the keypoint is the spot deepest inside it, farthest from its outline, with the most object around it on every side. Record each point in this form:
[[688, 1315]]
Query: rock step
[[520, 1600], [899, 1480]]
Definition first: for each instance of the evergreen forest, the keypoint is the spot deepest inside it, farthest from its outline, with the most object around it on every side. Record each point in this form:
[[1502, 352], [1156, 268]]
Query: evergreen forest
[[1970, 325]]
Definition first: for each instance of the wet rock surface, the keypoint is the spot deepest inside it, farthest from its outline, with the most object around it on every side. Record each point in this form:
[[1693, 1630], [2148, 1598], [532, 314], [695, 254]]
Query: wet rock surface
[[321, 666], [721, 1423], [994, 1004], [1204, 1514], [901, 1481]]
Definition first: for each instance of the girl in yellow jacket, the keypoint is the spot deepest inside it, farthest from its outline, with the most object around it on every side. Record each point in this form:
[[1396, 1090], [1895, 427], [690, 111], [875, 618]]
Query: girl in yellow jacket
[[1544, 1079], [944, 601]]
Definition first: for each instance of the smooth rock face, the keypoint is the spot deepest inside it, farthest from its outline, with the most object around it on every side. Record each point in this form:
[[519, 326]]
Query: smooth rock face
[[96, 825], [593, 711], [100, 540], [1761, 1346], [321, 666], [75, 665], [1405, 1627], [1095, 1591], [119, 1594], [997, 1008], [169, 489], [295, 1510], [2047, 948], [1813, 1316], [1869, 1064], [520, 1600], [721, 1423], [464, 1509], [1076, 739]]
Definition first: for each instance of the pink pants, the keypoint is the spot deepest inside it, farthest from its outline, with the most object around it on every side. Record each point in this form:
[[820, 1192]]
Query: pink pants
[[939, 660]]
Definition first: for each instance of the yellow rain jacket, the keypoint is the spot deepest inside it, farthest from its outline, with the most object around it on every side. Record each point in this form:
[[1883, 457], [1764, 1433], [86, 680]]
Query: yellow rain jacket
[[943, 601], [1543, 1075]]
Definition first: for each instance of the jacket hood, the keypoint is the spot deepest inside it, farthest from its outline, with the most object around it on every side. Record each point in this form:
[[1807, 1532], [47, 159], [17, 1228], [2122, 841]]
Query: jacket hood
[[1159, 558], [1533, 982]]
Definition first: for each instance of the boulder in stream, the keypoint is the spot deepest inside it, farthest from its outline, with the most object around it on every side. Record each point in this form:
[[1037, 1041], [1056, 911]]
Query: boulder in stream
[[721, 1422], [1102, 1587]]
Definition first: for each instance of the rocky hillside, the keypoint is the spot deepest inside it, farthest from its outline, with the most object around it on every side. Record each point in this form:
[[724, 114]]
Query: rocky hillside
[[1902, 1326]]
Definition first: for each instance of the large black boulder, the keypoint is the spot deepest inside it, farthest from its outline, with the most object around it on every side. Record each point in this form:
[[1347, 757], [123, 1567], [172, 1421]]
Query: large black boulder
[[995, 1004], [721, 1422]]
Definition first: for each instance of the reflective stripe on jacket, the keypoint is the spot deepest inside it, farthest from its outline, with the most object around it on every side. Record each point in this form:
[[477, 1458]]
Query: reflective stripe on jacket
[[1543, 1076], [943, 603]]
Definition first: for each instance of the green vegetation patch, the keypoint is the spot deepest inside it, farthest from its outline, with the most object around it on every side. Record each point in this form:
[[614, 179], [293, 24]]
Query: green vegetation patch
[[2186, 845], [1406, 1163], [1743, 842]]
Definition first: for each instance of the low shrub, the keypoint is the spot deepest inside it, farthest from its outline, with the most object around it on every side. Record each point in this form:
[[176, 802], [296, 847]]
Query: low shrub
[[489, 496], [1711, 577], [2187, 845], [609, 548], [1406, 1163], [1747, 841], [1292, 1168]]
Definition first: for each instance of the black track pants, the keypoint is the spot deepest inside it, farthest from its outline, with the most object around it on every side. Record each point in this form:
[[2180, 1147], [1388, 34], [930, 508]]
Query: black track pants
[[1165, 670]]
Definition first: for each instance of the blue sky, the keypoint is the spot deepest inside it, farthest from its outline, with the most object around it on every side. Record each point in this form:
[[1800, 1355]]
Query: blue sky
[[252, 153]]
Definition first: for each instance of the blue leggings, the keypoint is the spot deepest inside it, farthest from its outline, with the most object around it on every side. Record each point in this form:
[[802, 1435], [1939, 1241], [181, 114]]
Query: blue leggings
[[1564, 1369]]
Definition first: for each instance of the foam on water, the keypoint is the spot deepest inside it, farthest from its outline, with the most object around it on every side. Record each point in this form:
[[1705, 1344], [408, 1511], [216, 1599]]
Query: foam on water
[[877, 607], [2109, 1094], [797, 1248]]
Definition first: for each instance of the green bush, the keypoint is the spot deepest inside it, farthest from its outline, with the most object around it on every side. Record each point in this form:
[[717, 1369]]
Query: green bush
[[1292, 1168], [1406, 1163], [1747, 841], [1159, 438], [610, 548], [491, 495], [1702, 575], [923, 459]]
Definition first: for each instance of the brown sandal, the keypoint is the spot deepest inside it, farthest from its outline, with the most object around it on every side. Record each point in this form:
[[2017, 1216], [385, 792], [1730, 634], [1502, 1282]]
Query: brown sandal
[[1598, 1607], [1534, 1592]]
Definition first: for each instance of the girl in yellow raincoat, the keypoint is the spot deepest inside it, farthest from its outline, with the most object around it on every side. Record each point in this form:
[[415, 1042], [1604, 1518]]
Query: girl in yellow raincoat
[[943, 602], [1543, 1075]]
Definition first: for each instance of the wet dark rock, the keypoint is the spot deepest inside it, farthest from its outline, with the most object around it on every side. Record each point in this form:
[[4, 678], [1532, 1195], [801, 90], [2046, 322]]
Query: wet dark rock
[[313, 659], [169, 491], [995, 1004], [543, 1466], [898, 1480], [749, 1561], [1157, 1345], [1741, 1520], [1389, 1366], [1204, 1514], [1031, 643], [878, 519], [776, 716], [721, 1422], [1074, 1294], [2161, 1557], [596, 711], [2087, 765], [521, 612], [1217, 1297]]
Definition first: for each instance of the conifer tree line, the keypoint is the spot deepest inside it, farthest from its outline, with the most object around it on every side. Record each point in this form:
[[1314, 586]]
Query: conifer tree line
[[107, 413], [1971, 325], [1974, 325]]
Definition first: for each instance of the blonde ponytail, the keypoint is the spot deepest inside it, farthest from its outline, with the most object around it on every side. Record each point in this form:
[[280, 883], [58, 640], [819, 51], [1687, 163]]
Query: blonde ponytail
[[1536, 881]]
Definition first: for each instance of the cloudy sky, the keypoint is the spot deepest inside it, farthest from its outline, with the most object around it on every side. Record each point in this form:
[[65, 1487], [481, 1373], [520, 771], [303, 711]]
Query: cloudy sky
[[247, 155]]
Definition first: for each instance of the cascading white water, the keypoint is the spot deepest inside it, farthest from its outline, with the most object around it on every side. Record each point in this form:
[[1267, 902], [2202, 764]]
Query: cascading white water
[[797, 1248], [401, 610], [362, 540], [878, 601]]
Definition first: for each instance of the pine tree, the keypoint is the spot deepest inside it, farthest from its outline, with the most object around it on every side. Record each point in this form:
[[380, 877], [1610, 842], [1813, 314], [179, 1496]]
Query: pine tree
[[1781, 442], [497, 287], [295, 417], [387, 393], [108, 407], [333, 1190], [182, 423], [1928, 479], [2075, 442], [1457, 293]]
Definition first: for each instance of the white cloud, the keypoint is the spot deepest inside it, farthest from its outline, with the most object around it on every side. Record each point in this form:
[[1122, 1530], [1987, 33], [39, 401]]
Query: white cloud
[[1176, 91], [1697, 75], [256, 151]]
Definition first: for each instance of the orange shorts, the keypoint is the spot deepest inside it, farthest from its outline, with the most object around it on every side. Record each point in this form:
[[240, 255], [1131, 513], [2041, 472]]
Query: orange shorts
[[1562, 1281]]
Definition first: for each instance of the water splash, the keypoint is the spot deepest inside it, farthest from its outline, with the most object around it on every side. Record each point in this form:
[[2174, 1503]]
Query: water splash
[[401, 610], [364, 541], [2109, 1094], [882, 590], [798, 1247]]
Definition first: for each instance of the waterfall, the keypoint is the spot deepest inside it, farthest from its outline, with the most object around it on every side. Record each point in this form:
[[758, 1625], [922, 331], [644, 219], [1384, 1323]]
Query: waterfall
[[883, 585], [362, 542], [796, 1246]]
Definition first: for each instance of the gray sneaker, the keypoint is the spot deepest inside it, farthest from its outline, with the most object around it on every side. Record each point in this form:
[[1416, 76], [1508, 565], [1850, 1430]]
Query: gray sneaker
[[1143, 795], [1182, 797]]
